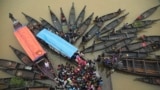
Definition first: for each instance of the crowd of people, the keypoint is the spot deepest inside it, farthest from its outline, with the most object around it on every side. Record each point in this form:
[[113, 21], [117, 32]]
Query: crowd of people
[[78, 78]]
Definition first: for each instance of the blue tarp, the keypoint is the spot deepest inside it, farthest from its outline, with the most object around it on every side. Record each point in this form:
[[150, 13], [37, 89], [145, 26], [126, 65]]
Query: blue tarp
[[58, 43]]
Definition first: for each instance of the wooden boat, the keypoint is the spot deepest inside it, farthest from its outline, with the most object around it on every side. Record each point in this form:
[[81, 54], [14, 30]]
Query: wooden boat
[[39, 88], [150, 48], [48, 26], [80, 18], [33, 48], [33, 24], [99, 46], [135, 46], [109, 16], [143, 67], [147, 13], [13, 65], [98, 24], [83, 27], [26, 74], [150, 38], [149, 80], [31, 20], [28, 83], [64, 22], [131, 30], [32, 88], [117, 36], [55, 20], [3, 86], [22, 56], [118, 45], [72, 18], [45, 65], [139, 24], [128, 54], [92, 32], [112, 24]]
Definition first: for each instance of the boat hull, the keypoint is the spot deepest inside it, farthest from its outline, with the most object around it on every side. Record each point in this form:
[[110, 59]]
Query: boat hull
[[143, 67]]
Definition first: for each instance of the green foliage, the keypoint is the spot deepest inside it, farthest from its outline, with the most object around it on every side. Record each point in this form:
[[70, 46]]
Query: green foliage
[[17, 82]]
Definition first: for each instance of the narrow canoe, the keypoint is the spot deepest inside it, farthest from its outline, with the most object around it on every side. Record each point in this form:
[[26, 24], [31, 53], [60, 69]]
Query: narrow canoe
[[30, 19], [147, 13], [13, 65], [110, 15], [92, 32], [135, 46], [22, 56], [83, 27], [112, 24], [117, 36], [143, 67], [140, 24], [80, 17], [149, 80], [118, 45], [55, 20], [26, 74], [39, 88], [45, 65], [28, 83], [99, 46], [129, 54], [72, 18], [131, 30], [150, 48], [33, 25], [64, 22], [48, 26], [150, 38]]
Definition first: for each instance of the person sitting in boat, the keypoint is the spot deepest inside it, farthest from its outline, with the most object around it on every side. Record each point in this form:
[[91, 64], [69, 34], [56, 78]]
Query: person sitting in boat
[[119, 10], [107, 61], [139, 17], [98, 58], [46, 63], [125, 26], [96, 19]]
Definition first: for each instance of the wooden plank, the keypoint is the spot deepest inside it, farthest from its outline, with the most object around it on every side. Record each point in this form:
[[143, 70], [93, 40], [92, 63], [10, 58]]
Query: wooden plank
[[127, 64], [144, 64], [158, 66], [133, 64]]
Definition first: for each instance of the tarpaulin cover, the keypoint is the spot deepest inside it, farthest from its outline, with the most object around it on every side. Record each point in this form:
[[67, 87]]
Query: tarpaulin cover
[[58, 43], [29, 43]]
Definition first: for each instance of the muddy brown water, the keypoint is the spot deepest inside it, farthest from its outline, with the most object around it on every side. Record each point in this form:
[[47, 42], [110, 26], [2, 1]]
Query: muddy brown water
[[39, 8]]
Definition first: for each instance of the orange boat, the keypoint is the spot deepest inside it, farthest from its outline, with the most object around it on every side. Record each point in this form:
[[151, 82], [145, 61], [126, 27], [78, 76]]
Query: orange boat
[[29, 43], [32, 48], [27, 40]]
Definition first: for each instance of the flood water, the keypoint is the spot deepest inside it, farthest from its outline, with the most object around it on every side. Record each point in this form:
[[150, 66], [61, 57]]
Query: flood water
[[39, 8]]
